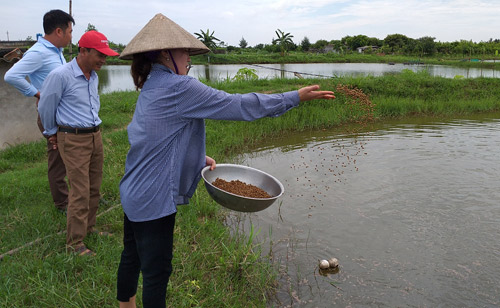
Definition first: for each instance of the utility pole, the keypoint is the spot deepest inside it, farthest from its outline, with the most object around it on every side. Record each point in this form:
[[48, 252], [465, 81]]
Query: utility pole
[[8, 36], [70, 43]]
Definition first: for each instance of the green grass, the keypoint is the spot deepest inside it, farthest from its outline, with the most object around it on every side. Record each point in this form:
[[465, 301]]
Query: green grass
[[213, 265]]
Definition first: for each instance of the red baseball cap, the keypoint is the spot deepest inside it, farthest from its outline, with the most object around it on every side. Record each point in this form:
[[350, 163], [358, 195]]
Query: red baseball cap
[[97, 41]]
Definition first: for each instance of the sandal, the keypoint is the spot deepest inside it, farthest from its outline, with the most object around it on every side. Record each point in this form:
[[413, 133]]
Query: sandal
[[83, 251]]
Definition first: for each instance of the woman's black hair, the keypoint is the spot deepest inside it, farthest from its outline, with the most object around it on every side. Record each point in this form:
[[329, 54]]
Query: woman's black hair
[[141, 66]]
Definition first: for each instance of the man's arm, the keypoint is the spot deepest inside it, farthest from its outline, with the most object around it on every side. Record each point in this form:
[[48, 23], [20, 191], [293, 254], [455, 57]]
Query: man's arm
[[52, 91], [16, 76]]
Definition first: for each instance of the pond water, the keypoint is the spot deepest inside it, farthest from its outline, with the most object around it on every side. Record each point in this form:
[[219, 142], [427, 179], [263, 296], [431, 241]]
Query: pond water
[[410, 209], [18, 114], [117, 77]]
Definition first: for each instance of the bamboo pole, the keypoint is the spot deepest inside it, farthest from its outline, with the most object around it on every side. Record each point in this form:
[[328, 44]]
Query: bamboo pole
[[70, 43]]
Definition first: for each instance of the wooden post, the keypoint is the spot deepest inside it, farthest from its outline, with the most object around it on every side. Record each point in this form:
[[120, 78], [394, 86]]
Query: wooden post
[[70, 43]]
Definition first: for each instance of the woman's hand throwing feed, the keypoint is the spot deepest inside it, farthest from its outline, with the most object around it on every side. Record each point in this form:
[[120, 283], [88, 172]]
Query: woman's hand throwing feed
[[310, 92]]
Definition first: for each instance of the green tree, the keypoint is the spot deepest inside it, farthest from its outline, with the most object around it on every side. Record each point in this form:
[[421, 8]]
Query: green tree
[[284, 41], [320, 44], [396, 42], [466, 48], [271, 48], [445, 48], [243, 43], [208, 39], [90, 27], [354, 42], [427, 44], [305, 44], [338, 46], [412, 47], [373, 41]]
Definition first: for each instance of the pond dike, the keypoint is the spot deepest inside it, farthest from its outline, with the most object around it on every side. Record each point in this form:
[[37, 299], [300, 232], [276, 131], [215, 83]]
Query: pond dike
[[18, 113]]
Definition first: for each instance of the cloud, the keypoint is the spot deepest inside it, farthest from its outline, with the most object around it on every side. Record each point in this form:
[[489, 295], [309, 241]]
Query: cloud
[[257, 20]]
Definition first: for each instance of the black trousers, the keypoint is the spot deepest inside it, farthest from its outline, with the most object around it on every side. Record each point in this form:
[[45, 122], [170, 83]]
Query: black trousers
[[148, 249]]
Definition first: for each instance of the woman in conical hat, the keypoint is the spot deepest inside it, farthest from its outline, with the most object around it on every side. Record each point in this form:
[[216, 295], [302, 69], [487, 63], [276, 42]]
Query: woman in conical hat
[[167, 148]]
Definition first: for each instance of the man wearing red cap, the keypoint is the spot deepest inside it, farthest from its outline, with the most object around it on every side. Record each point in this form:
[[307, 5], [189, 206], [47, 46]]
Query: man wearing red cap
[[69, 110]]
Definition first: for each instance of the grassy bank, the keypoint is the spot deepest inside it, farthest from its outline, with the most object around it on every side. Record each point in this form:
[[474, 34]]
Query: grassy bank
[[212, 267]]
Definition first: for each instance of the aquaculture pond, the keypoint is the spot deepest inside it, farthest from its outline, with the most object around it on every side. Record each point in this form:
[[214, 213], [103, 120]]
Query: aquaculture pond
[[410, 209], [18, 113]]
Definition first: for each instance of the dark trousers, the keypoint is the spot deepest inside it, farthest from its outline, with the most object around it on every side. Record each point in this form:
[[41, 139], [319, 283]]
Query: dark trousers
[[148, 249], [56, 174]]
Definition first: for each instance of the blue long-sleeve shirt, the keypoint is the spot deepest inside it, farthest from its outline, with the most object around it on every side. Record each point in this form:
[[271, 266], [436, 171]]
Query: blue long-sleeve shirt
[[167, 138], [36, 63], [69, 99]]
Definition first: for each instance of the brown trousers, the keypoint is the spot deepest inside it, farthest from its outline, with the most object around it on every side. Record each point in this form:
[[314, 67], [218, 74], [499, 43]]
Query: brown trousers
[[56, 174], [83, 156]]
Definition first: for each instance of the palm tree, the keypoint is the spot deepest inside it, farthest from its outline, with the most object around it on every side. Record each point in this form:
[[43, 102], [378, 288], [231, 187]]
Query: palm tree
[[208, 39], [284, 40]]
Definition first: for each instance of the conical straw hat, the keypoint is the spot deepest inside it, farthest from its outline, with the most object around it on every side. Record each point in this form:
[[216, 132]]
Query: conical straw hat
[[162, 33]]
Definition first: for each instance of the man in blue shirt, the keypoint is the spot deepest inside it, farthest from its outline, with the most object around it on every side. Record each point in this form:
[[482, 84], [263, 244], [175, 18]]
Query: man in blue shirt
[[37, 63], [69, 110]]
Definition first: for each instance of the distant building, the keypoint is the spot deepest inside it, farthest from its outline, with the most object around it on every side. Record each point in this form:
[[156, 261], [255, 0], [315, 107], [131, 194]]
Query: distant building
[[327, 49], [330, 48], [362, 49], [219, 51]]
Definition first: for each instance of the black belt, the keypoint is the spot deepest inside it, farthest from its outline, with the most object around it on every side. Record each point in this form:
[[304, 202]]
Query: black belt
[[78, 130]]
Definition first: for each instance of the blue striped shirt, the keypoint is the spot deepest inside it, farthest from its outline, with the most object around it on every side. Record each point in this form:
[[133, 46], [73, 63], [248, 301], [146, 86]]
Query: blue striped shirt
[[167, 138], [69, 99], [37, 63]]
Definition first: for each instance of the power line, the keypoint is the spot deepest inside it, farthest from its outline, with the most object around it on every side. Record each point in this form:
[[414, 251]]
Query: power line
[[297, 74]]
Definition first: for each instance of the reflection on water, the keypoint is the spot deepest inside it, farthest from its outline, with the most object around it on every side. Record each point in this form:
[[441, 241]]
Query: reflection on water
[[115, 78], [328, 70], [410, 209]]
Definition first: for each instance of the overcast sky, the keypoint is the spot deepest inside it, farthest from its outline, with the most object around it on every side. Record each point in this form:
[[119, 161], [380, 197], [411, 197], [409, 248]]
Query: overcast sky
[[257, 20]]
